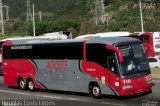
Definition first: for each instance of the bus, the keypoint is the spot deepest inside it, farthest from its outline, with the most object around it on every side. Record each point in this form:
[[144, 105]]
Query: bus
[[99, 66], [152, 38]]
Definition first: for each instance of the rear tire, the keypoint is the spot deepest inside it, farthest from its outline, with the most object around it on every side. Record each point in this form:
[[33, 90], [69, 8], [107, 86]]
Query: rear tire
[[31, 85], [21, 84], [95, 91]]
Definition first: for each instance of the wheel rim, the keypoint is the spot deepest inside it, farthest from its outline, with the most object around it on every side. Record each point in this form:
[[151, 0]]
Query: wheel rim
[[22, 84], [30, 85], [96, 91]]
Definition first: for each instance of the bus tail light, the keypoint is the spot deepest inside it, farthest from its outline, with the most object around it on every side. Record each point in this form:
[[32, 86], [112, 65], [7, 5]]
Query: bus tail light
[[127, 87]]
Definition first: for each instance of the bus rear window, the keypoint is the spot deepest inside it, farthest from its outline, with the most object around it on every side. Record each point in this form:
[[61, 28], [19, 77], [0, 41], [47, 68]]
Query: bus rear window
[[124, 47]]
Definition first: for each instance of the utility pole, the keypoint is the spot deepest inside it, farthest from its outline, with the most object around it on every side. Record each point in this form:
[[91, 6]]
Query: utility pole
[[29, 13], [1, 15], [7, 12], [141, 15], [34, 29], [40, 15], [100, 17]]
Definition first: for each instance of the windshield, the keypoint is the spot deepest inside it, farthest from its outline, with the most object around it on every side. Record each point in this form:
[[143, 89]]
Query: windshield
[[135, 60]]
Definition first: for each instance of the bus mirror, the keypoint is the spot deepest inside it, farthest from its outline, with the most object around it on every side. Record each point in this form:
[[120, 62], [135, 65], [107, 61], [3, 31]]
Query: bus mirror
[[119, 53], [149, 49]]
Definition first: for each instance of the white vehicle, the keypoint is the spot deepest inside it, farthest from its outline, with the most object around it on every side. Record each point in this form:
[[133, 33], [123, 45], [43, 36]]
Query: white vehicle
[[105, 34], [154, 62]]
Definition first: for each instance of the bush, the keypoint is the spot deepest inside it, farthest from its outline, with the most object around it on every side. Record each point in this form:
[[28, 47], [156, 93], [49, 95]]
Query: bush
[[56, 26]]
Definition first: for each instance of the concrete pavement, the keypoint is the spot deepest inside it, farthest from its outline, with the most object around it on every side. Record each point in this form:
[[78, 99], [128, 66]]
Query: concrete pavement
[[79, 99], [155, 73]]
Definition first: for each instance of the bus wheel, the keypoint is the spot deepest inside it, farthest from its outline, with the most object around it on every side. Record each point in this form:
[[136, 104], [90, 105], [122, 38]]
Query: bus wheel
[[31, 85], [21, 84], [96, 91]]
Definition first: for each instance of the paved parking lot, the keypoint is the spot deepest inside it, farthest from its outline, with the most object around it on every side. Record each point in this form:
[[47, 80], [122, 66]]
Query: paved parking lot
[[155, 73]]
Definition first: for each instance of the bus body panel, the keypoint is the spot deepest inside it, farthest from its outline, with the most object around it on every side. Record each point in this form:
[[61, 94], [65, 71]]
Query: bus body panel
[[106, 76], [25, 70], [66, 75], [139, 85], [71, 79]]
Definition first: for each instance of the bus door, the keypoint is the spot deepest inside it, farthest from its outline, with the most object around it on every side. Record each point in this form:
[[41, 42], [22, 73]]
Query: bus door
[[114, 80]]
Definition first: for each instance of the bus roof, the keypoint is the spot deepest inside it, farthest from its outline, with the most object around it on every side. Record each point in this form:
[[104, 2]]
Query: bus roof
[[104, 40]]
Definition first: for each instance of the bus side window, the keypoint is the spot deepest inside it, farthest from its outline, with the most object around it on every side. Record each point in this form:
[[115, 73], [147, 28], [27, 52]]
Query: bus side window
[[145, 39], [112, 64]]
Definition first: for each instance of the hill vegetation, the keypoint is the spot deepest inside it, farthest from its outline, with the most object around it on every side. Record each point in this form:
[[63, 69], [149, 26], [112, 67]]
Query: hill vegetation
[[77, 16]]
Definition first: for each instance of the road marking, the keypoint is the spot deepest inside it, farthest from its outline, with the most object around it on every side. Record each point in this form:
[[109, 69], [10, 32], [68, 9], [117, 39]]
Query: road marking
[[52, 97], [14, 92], [107, 103], [72, 99], [156, 80], [56, 97]]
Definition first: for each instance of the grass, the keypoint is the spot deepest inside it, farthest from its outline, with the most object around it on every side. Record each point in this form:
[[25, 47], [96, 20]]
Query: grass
[[13, 35]]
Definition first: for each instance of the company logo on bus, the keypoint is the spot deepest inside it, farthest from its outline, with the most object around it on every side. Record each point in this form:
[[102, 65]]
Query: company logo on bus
[[21, 47], [60, 65]]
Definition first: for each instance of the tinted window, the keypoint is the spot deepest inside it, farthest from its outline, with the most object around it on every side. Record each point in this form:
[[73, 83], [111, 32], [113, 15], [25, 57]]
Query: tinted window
[[145, 39], [98, 53], [112, 64], [46, 51], [1, 47], [134, 60], [152, 60]]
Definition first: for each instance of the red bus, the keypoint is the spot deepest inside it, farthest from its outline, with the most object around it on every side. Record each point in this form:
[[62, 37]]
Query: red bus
[[110, 66], [153, 39]]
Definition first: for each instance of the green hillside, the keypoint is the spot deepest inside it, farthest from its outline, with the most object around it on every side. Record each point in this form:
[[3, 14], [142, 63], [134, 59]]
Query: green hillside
[[77, 16]]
